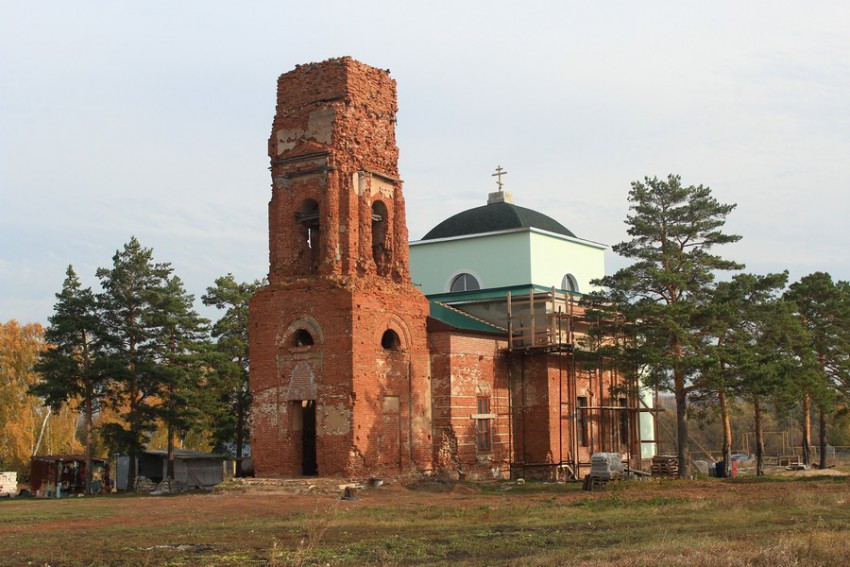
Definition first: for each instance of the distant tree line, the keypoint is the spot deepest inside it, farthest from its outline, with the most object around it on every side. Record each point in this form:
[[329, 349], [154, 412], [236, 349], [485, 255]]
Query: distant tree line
[[138, 356], [135, 358], [779, 347]]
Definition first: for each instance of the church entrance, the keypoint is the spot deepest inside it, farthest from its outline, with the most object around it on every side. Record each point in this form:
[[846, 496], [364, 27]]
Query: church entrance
[[308, 438], [390, 434]]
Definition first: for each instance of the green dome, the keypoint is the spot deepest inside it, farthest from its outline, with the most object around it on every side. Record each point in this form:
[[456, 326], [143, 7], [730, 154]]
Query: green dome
[[495, 217]]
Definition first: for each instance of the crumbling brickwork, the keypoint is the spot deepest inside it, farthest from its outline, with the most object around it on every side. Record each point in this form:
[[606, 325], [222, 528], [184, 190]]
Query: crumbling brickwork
[[339, 362]]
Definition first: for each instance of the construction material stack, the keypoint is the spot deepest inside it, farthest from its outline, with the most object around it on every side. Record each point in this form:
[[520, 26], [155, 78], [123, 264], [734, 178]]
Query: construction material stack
[[606, 466], [8, 483]]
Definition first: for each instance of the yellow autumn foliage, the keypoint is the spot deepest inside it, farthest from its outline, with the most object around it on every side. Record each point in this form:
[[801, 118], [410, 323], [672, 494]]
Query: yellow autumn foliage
[[23, 417]]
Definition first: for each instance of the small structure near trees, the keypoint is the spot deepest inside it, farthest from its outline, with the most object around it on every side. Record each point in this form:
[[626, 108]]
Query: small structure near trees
[[192, 469], [55, 476]]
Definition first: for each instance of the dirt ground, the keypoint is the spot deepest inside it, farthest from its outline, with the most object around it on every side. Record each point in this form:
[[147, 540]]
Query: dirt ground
[[252, 498], [253, 521], [268, 498]]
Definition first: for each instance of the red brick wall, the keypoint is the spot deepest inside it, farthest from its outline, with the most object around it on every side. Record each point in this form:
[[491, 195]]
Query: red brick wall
[[333, 142], [535, 434], [465, 367]]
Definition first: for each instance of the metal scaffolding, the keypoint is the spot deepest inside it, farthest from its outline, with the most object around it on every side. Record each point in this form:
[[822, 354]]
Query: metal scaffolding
[[550, 323]]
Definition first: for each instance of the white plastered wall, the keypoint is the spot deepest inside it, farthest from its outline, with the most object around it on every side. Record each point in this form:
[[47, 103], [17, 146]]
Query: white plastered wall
[[553, 256]]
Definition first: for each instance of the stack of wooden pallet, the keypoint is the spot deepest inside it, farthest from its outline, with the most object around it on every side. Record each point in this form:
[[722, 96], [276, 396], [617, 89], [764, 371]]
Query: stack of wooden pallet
[[594, 483], [665, 465]]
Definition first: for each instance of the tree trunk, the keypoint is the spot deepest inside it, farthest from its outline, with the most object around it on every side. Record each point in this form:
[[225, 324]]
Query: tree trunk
[[132, 453], [822, 439], [240, 427], [169, 473], [807, 430], [759, 438], [727, 432], [35, 448], [89, 448], [682, 437]]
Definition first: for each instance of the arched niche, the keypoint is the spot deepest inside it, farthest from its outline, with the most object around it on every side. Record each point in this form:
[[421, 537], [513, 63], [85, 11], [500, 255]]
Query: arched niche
[[302, 332], [392, 332]]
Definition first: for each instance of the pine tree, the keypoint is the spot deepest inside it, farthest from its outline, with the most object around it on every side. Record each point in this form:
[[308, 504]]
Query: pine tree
[[823, 307], [662, 294], [755, 352], [180, 346], [72, 367], [230, 420], [126, 306]]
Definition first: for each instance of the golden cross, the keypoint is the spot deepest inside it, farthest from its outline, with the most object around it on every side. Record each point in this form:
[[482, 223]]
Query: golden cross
[[499, 173]]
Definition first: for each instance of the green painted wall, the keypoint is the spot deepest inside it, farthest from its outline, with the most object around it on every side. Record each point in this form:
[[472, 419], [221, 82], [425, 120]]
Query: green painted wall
[[504, 259], [496, 260]]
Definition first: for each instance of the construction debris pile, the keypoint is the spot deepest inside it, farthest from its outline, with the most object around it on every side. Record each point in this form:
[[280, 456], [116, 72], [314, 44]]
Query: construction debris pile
[[144, 485]]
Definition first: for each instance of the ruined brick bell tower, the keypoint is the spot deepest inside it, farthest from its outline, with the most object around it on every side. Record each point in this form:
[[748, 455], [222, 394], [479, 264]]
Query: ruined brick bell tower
[[339, 359]]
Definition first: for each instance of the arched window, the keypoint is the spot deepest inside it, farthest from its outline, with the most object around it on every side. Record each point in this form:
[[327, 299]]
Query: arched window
[[302, 338], [569, 283], [308, 217], [390, 340], [464, 282], [379, 238]]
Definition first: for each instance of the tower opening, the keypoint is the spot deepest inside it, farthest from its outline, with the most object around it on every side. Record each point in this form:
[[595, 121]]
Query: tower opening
[[308, 219], [380, 253], [302, 338]]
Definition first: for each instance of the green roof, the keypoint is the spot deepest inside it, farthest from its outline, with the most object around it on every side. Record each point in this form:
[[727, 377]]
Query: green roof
[[493, 293], [460, 320], [495, 217]]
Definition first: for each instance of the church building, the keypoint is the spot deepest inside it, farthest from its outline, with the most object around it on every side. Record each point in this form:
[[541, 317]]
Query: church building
[[457, 355]]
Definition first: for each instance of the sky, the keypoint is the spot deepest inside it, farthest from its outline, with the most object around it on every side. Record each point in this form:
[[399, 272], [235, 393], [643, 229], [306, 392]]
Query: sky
[[151, 119]]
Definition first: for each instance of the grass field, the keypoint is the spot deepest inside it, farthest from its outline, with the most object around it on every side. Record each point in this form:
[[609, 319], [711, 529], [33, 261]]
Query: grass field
[[774, 521]]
